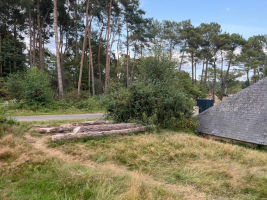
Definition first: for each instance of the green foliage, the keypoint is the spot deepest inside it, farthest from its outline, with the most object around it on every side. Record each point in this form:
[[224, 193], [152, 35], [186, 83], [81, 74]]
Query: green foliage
[[5, 120], [33, 87], [152, 99], [185, 83], [3, 92], [15, 86], [37, 89]]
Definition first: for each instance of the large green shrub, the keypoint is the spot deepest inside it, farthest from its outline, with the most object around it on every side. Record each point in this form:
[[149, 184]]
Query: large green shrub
[[33, 87], [148, 103], [3, 92], [37, 89], [15, 85], [153, 97]]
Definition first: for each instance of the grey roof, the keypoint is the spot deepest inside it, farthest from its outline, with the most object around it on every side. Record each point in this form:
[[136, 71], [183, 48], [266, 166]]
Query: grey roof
[[241, 117]]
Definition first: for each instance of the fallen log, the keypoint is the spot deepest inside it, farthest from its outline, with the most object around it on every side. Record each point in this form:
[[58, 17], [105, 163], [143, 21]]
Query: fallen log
[[54, 129], [87, 123], [69, 136], [103, 127], [108, 127]]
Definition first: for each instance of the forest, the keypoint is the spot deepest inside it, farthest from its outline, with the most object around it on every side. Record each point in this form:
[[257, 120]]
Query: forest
[[81, 47]]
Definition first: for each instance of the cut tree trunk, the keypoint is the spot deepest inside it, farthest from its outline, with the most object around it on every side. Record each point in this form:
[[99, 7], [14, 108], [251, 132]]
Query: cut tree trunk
[[81, 129], [69, 136], [87, 123], [55, 129]]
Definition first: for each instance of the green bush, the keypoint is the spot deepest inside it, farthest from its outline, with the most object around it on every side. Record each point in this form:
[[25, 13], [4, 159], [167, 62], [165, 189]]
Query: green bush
[[3, 92], [37, 89], [148, 103], [4, 114], [156, 96], [33, 88], [15, 86]]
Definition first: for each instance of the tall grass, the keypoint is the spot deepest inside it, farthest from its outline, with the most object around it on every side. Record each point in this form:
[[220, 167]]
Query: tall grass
[[217, 169]]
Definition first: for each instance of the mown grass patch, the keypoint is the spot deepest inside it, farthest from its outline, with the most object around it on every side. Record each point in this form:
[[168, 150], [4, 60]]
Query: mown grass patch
[[213, 167]]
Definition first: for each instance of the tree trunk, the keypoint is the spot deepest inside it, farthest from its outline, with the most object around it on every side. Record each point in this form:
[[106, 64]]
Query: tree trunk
[[264, 68], [34, 36], [133, 63], [40, 35], [14, 53], [107, 47], [89, 75], [60, 85], [206, 73], [171, 49], [87, 123], [81, 129], [91, 61], [182, 57], [202, 72], [30, 30], [43, 51], [118, 62], [248, 77], [70, 136], [214, 82], [192, 63], [98, 61], [225, 79], [84, 45], [195, 73], [127, 56], [76, 32], [1, 68]]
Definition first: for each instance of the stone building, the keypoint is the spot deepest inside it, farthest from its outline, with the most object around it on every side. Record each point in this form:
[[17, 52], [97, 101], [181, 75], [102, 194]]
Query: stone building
[[241, 117]]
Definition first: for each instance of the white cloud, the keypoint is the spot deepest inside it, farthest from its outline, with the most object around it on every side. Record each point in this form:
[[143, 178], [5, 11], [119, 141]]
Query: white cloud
[[227, 9], [142, 3]]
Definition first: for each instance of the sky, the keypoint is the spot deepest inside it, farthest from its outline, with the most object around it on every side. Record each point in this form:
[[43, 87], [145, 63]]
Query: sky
[[246, 17], [235, 16]]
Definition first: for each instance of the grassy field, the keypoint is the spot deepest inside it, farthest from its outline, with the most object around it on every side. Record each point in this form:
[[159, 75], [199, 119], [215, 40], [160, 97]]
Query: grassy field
[[165, 165]]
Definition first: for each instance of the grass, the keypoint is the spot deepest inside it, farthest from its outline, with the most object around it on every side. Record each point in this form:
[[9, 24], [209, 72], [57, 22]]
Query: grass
[[165, 165], [214, 168], [25, 112], [31, 175]]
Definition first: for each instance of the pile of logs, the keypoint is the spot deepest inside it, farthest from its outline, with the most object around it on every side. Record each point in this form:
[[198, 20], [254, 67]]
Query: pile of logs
[[90, 129]]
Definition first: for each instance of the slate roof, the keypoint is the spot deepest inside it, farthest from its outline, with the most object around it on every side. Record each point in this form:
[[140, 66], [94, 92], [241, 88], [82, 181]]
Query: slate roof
[[241, 117]]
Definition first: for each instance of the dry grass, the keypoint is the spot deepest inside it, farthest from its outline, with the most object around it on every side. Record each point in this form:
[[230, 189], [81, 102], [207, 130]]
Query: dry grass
[[164, 165], [214, 168], [30, 173]]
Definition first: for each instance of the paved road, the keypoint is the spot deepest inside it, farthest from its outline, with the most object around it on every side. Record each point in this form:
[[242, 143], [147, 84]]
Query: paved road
[[57, 117]]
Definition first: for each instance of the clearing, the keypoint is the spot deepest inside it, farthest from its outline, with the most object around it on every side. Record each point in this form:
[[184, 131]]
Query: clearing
[[165, 165]]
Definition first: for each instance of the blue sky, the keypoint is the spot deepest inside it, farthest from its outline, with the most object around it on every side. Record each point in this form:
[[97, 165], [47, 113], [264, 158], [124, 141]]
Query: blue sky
[[245, 17]]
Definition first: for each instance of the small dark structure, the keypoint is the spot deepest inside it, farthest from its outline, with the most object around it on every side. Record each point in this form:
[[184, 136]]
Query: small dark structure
[[204, 104], [242, 117]]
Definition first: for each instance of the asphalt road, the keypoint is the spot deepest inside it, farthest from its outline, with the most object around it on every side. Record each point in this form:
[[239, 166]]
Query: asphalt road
[[57, 117]]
